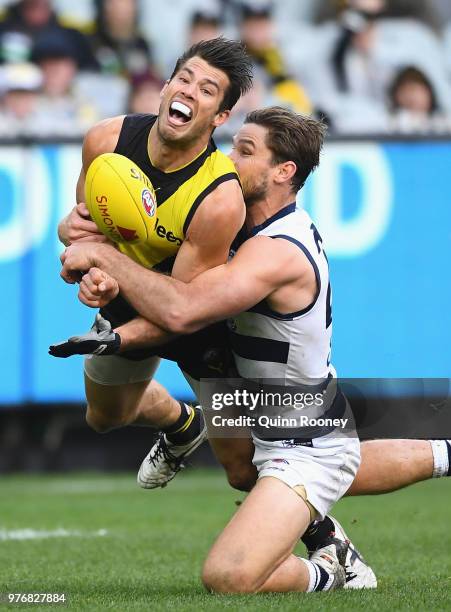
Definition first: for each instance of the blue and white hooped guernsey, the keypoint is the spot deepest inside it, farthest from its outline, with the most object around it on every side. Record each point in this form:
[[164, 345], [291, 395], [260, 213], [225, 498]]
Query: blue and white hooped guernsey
[[294, 348]]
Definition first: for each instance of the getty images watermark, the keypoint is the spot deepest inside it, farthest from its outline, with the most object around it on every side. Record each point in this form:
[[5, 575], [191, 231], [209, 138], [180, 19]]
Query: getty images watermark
[[364, 408], [255, 401], [271, 409]]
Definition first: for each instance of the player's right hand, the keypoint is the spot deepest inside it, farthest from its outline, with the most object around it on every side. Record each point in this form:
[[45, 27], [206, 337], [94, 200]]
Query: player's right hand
[[97, 288], [78, 226], [100, 340]]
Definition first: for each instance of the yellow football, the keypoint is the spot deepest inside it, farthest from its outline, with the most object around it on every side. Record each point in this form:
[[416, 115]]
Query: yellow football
[[120, 199]]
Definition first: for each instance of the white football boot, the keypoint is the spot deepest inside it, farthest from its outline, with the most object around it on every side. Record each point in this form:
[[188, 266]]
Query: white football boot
[[332, 557], [359, 574], [165, 459]]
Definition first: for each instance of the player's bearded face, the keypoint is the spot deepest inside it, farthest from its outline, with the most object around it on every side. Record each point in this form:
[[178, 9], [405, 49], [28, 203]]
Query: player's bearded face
[[255, 188], [190, 102], [253, 161]]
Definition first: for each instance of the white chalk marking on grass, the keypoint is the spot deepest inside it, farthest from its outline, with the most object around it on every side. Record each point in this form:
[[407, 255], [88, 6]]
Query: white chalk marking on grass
[[41, 534], [90, 487], [75, 488]]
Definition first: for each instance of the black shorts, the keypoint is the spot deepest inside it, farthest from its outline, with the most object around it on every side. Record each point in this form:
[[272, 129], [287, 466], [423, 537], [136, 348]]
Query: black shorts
[[204, 354]]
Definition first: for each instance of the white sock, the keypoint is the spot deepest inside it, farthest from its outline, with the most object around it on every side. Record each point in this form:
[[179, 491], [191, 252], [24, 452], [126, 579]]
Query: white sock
[[441, 451], [319, 579]]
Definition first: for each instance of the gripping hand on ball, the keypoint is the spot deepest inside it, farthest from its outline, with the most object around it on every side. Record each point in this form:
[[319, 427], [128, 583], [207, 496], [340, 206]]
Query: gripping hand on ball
[[78, 226], [100, 340]]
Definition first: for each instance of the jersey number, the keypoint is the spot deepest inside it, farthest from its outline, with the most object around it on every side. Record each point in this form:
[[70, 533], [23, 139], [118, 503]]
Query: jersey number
[[319, 246]]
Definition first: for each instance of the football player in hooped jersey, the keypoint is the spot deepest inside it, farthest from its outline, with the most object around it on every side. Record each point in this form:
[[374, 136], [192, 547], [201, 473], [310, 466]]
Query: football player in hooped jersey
[[200, 210]]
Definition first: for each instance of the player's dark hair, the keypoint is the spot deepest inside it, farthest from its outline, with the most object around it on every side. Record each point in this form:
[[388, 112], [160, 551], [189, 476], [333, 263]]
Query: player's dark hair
[[231, 57], [291, 137]]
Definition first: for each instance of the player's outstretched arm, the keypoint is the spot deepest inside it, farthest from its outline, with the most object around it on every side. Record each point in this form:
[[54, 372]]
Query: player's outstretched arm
[[96, 289], [102, 339], [260, 266]]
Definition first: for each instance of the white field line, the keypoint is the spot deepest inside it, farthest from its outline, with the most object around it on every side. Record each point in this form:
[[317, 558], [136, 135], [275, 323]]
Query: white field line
[[107, 486], [41, 534], [75, 487], [88, 486]]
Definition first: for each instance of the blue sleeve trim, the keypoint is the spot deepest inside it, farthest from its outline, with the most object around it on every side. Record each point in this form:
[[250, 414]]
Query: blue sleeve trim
[[263, 308]]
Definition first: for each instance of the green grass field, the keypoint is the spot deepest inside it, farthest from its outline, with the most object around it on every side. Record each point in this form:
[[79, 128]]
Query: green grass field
[[151, 551]]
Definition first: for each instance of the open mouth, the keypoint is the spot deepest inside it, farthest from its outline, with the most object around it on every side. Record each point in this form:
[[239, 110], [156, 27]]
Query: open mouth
[[179, 113]]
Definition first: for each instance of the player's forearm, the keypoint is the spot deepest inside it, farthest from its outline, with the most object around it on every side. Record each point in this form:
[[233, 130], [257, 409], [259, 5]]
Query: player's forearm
[[178, 307], [173, 305], [140, 333], [156, 297]]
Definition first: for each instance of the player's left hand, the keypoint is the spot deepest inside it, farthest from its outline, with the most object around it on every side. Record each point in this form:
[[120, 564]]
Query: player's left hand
[[97, 288], [100, 340]]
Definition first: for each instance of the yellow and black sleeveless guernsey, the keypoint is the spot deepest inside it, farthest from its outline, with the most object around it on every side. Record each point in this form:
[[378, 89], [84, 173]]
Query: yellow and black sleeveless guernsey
[[179, 193]]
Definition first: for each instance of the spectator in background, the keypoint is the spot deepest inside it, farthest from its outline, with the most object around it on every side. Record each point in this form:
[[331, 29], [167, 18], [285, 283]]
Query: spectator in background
[[257, 30], [203, 26], [365, 54], [27, 20], [19, 90], [166, 23], [61, 108], [145, 95], [432, 13], [117, 44], [442, 10], [411, 90], [352, 62], [413, 103]]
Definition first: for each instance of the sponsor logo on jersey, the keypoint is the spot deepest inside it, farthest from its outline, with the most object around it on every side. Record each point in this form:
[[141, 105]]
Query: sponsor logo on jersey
[[148, 202], [162, 232]]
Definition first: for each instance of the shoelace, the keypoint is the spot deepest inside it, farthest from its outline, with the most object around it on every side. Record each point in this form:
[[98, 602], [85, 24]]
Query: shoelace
[[175, 463]]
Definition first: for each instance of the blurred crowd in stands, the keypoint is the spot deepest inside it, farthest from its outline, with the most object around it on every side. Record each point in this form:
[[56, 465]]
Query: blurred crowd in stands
[[365, 66]]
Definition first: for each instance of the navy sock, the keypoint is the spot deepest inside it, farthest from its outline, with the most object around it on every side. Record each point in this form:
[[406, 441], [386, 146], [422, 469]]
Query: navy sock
[[317, 532]]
